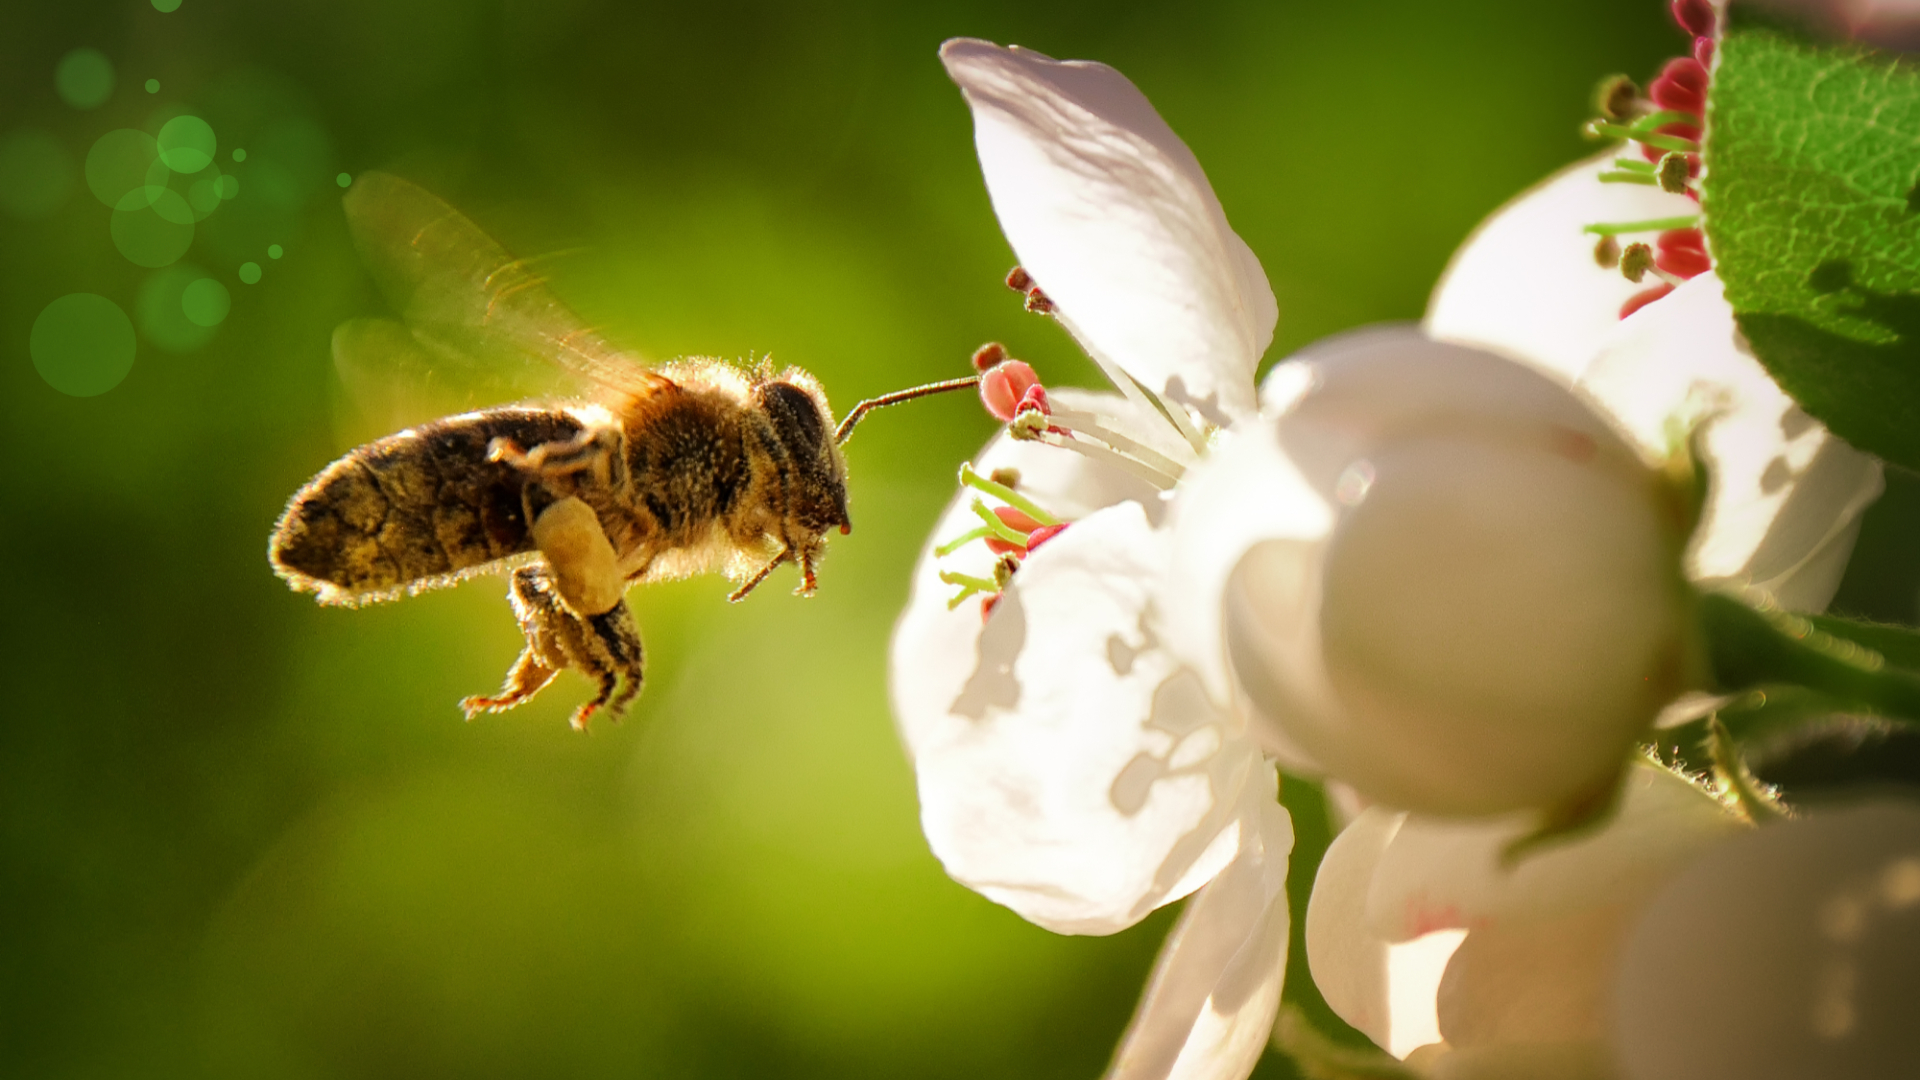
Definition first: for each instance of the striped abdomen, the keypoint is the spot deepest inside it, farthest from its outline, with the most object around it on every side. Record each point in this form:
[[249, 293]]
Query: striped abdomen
[[412, 510]]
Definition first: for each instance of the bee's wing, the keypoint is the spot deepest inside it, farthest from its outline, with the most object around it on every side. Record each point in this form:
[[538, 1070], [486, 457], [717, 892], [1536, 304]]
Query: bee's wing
[[465, 298]]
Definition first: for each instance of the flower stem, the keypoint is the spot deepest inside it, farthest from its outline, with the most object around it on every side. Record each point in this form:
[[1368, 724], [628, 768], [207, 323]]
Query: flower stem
[[960, 541], [1686, 221], [1624, 177], [998, 529], [1089, 424], [1119, 461], [1749, 648], [1006, 495], [977, 584], [1650, 137]]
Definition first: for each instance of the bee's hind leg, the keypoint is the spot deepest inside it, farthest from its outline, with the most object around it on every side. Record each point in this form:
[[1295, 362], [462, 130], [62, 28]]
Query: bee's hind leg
[[604, 647]]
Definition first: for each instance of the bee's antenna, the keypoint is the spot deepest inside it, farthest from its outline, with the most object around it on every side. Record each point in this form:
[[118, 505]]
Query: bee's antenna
[[846, 426]]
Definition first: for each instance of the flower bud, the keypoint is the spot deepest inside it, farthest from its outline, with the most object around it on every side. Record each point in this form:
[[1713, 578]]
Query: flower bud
[[1495, 611]]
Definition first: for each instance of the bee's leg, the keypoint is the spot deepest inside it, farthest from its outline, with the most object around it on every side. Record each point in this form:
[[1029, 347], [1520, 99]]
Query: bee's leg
[[604, 647]]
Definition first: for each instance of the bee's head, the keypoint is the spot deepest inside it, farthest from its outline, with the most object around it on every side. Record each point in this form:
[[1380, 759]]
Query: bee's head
[[796, 408]]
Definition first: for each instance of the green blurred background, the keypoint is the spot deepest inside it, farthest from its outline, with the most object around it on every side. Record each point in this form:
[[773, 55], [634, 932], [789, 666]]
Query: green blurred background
[[244, 836]]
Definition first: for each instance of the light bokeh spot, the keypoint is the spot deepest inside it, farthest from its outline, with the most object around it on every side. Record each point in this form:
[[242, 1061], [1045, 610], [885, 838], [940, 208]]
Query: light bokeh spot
[[239, 154], [206, 302], [161, 309], [152, 227], [186, 144], [250, 273], [274, 251], [166, 6], [120, 162], [153, 86], [82, 344], [343, 179], [36, 173], [84, 78]]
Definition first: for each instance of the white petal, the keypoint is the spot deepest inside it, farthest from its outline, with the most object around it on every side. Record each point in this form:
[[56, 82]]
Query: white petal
[[1787, 495], [1387, 990], [1441, 873], [1210, 1005], [1073, 772], [1526, 285], [1245, 492], [1111, 214]]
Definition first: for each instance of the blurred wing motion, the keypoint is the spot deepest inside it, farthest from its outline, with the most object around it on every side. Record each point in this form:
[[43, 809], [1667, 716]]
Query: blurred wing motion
[[481, 327]]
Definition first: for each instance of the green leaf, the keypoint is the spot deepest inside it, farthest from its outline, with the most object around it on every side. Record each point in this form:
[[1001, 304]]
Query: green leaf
[[1812, 201]]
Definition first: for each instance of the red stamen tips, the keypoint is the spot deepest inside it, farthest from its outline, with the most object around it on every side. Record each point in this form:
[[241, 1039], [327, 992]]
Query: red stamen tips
[[1019, 280], [1681, 87], [1038, 302], [989, 356], [987, 604], [1703, 51], [1018, 522], [1004, 387], [1043, 534], [1683, 253], [1694, 16], [1643, 298]]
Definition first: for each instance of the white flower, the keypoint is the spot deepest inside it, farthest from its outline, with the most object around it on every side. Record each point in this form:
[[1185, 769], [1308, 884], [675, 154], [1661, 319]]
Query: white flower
[[1069, 766], [1787, 495], [1420, 935]]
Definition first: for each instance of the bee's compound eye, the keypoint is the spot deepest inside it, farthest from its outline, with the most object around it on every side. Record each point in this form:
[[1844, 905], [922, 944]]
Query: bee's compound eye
[[796, 415]]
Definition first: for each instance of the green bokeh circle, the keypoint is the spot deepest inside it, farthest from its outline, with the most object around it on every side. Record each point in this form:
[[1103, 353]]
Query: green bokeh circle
[[187, 144], [36, 174], [84, 78], [152, 233], [160, 309], [206, 303], [274, 251], [166, 6], [82, 344], [250, 273], [153, 86], [120, 162]]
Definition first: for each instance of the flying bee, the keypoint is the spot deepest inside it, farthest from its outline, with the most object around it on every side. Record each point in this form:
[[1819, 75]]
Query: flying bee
[[665, 472]]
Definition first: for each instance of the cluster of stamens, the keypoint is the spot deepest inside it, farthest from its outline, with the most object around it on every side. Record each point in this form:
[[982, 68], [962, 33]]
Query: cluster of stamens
[[1013, 394], [1666, 123]]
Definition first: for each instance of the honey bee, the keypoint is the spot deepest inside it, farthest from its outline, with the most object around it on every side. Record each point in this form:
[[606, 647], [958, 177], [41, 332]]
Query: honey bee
[[664, 472]]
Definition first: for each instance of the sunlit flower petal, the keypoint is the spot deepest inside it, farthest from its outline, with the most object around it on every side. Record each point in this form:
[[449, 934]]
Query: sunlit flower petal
[[1068, 768], [1384, 988], [1787, 495], [1112, 216], [1526, 285], [1540, 935], [1211, 1002]]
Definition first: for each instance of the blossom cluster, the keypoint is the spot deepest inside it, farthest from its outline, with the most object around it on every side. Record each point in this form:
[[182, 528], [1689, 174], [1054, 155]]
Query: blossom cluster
[[1450, 570]]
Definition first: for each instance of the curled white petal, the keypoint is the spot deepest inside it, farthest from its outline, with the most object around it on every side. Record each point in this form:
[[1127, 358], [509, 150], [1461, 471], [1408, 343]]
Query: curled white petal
[[1443, 873], [1786, 494], [1068, 767], [1526, 285], [1112, 216], [1210, 1005], [1385, 989]]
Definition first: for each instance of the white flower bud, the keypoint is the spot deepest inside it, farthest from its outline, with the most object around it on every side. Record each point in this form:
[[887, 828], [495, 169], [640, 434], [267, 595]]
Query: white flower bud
[[1497, 609], [1793, 951]]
